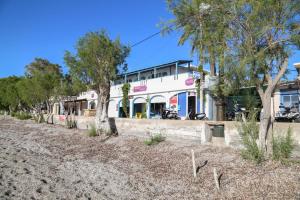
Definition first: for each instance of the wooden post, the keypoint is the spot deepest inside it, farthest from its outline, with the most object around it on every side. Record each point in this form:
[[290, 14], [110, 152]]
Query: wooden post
[[216, 179], [194, 165]]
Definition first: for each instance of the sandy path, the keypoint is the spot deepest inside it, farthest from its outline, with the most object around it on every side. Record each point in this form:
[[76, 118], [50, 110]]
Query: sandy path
[[39, 161]]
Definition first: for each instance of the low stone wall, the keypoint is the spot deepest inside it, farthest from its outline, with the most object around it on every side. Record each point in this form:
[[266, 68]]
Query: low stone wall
[[196, 130]]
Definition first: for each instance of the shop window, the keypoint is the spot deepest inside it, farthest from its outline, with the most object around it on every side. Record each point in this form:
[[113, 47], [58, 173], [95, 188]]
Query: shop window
[[92, 105], [290, 100]]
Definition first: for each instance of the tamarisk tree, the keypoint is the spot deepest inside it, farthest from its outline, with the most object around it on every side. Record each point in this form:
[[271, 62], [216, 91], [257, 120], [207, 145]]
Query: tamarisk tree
[[264, 34], [253, 41], [97, 63]]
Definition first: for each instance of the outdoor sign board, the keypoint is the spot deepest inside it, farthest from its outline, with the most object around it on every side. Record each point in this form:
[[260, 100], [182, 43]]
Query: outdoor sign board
[[189, 81], [140, 88], [173, 102]]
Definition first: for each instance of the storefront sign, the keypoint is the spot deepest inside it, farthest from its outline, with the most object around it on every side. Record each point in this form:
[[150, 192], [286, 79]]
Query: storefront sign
[[61, 118], [189, 81], [140, 88], [173, 100]]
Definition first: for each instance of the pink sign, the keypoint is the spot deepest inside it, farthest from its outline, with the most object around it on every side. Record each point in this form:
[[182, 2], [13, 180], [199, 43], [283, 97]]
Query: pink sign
[[140, 88], [61, 118], [189, 81]]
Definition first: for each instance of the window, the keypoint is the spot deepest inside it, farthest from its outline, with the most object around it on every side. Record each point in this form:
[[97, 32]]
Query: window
[[286, 101], [143, 78], [290, 100], [294, 100], [165, 74]]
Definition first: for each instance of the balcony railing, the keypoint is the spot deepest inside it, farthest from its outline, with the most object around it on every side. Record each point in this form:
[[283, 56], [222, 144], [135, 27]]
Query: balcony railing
[[161, 84]]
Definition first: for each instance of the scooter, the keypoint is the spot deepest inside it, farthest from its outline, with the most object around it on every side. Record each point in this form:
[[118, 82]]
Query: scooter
[[237, 113], [169, 114], [197, 116], [288, 114]]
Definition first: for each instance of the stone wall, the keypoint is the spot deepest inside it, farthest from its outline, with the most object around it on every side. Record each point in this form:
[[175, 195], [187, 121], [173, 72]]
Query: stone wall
[[196, 130]]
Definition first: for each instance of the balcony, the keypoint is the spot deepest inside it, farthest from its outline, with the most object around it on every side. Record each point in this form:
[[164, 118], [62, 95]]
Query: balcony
[[157, 85]]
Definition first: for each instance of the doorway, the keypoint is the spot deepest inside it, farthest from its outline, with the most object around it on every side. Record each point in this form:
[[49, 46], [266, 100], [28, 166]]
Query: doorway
[[192, 104]]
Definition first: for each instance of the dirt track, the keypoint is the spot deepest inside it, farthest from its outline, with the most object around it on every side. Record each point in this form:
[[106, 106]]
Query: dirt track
[[39, 161]]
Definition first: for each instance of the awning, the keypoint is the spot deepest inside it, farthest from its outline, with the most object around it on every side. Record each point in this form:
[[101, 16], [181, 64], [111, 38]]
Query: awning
[[140, 100], [158, 99]]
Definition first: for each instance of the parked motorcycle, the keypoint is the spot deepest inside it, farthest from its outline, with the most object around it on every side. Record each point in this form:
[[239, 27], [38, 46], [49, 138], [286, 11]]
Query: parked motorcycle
[[238, 112], [197, 116], [169, 114], [288, 114]]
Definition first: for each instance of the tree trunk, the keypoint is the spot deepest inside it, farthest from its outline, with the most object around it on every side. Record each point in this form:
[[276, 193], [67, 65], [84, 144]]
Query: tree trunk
[[220, 109], [101, 120], [266, 122], [212, 65], [265, 137]]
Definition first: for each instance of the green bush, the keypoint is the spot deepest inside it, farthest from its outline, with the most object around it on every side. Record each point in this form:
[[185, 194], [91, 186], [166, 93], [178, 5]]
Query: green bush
[[249, 132], [92, 131], [144, 115], [71, 123], [39, 118], [283, 146], [155, 139], [13, 114], [23, 116]]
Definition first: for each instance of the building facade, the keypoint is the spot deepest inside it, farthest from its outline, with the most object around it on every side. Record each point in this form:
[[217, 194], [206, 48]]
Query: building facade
[[168, 86], [153, 89]]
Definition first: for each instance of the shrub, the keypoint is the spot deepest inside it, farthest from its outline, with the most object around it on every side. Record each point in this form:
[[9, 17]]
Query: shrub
[[13, 114], [92, 131], [144, 115], [283, 146], [155, 139], [70, 123], [23, 116], [249, 131], [38, 118]]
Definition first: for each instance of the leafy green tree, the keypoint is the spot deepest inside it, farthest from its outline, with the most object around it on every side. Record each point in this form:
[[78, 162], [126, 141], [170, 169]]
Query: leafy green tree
[[33, 95], [47, 78], [9, 98], [256, 40], [264, 33], [97, 63], [201, 23]]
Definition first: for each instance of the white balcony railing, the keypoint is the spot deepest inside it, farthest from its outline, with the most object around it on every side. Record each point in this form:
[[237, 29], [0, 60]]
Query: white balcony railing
[[157, 85]]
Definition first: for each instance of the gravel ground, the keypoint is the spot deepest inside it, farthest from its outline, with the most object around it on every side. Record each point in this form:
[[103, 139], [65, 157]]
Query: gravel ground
[[39, 161]]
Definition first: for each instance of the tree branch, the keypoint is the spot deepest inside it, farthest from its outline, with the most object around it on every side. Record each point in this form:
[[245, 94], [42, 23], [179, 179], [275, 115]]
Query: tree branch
[[280, 73]]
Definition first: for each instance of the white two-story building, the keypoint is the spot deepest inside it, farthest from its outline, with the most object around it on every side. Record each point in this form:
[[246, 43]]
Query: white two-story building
[[171, 85], [166, 86]]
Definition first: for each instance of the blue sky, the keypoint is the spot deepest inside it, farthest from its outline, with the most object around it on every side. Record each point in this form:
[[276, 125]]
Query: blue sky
[[46, 28]]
